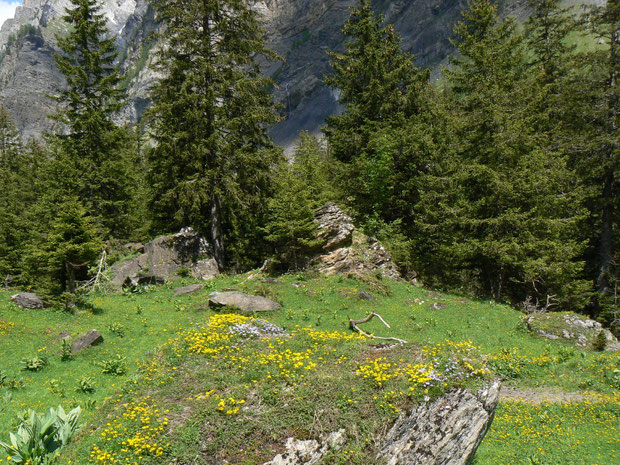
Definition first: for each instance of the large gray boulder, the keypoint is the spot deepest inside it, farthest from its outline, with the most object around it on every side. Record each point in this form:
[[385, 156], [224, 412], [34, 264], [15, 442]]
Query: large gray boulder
[[91, 338], [164, 257], [28, 300], [446, 431], [247, 303]]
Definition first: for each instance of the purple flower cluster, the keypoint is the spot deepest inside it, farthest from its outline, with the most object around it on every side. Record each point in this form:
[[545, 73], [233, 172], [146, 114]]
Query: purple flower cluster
[[257, 329]]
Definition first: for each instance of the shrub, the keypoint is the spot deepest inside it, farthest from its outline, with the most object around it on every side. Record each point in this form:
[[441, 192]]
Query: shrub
[[40, 435], [600, 342]]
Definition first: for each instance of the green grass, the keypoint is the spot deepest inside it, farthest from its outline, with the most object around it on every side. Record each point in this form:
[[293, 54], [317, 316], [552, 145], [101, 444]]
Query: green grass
[[170, 383]]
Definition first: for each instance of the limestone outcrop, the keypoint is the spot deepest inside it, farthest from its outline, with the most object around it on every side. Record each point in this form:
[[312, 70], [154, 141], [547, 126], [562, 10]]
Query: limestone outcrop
[[346, 250], [571, 327]]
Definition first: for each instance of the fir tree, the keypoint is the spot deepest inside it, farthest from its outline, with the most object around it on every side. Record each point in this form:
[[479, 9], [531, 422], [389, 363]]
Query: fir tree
[[301, 187], [592, 98], [11, 198], [507, 209], [380, 88], [209, 167], [61, 255], [91, 145]]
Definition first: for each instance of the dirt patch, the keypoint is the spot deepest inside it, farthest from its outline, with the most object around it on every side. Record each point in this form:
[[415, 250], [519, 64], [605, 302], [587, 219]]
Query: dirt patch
[[539, 396]]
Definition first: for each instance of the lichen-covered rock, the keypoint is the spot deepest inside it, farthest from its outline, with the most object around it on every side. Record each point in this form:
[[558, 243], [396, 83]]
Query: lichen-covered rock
[[28, 300], [446, 431], [309, 452], [247, 303], [571, 327]]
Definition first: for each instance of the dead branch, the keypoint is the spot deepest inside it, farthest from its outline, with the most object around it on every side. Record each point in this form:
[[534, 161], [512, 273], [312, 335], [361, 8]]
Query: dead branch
[[353, 324]]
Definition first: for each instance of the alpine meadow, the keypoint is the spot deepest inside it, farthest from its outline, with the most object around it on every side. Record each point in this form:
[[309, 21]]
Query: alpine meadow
[[310, 232]]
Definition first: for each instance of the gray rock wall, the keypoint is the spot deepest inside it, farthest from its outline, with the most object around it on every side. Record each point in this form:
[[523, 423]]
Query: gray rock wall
[[301, 31]]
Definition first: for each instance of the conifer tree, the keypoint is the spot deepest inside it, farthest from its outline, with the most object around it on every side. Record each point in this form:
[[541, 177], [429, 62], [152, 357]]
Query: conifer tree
[[209, 167], [301, 187], [91, 146], [507, 209], [592, 97], [11, 196], [381, 89]]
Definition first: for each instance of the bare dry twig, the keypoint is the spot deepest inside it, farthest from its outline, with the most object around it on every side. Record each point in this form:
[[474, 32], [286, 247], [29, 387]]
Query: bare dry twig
[[353, 324]]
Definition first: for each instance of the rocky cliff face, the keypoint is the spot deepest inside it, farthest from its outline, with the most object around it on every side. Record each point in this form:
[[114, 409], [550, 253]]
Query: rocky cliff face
[[301, 31]]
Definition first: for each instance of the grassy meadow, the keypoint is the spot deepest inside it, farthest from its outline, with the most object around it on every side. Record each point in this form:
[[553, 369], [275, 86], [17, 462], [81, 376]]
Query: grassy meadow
[[176, 382]]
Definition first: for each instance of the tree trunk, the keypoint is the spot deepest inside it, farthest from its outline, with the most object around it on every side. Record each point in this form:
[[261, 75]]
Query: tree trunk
[[217, 239], [70, 277], [606, 246]]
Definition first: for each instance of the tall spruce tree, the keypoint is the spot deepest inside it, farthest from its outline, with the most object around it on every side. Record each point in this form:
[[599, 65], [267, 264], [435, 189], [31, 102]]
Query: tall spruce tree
[[209, 167], [592, 95], [507, 209], [91, 146], [381, 89]]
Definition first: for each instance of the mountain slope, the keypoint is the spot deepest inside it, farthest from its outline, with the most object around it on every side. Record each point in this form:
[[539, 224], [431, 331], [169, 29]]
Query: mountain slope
[[301, 31]]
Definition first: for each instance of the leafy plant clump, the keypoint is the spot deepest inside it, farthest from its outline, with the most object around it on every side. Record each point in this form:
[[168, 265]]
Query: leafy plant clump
[[38, 436], [35, 363], [114, 366]]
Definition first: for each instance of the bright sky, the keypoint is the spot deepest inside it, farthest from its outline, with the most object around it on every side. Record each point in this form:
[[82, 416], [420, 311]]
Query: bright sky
[[7, 9]]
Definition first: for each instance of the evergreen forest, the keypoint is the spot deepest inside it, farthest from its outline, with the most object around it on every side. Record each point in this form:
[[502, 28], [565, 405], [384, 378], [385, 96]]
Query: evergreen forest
[[498, 179]]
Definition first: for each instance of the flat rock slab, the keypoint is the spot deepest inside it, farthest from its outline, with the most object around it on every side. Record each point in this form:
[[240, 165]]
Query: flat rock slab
[[28, 300], [188, 290], [91, 338], [247, 303]]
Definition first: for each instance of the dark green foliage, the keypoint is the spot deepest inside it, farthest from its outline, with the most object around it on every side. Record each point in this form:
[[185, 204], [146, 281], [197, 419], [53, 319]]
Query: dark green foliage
[[210, 165], [600, 342], [20, 168], [301, 187], [380, 89], [60, 256], [502, 214], [91, 150], [591, 97]]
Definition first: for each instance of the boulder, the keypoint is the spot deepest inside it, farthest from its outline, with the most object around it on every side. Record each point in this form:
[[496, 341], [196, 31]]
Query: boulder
[[128, 269], [335, 227], [28, 300], [163, 257], [247, 303], [446, 431], [188, 290], [308, 452], [576, 329], [91, 338]]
